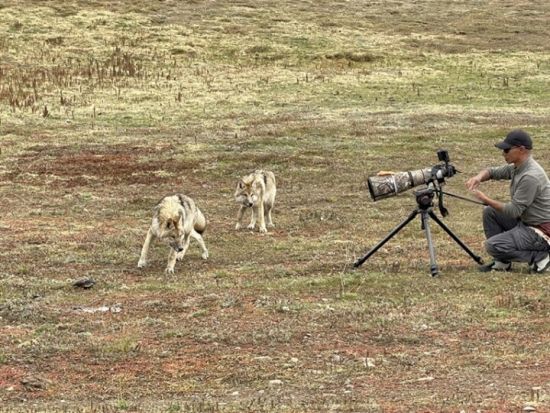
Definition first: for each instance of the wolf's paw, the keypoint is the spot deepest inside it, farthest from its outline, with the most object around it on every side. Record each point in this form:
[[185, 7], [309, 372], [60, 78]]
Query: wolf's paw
[[238, 226], [179, 257], [250, 226], [271, 225], [141, 263], [204, 255], [169, 270], [263, 230]]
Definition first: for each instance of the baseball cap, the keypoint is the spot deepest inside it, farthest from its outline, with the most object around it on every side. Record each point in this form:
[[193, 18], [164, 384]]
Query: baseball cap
[[517, 137]]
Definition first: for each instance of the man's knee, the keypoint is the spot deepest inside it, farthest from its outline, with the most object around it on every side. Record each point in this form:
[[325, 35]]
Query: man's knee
[[489, 214], [491, 247], [499, 245]]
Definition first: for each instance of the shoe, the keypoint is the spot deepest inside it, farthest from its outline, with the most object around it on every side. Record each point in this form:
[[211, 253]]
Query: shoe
[[496, 266], [536, 270]]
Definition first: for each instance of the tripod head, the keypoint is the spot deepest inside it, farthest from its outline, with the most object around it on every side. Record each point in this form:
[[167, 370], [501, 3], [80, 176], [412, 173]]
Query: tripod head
[[425, 198]]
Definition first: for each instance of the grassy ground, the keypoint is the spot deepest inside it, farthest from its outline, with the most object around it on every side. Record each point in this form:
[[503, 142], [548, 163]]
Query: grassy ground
[[107, 106]]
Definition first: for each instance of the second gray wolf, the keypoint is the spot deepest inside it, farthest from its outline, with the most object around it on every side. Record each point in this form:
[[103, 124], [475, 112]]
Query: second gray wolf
[[176, 219], [256, 191]]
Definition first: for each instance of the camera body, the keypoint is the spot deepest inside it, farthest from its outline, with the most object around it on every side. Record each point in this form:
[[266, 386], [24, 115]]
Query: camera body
[[444, 170], [443, 155]]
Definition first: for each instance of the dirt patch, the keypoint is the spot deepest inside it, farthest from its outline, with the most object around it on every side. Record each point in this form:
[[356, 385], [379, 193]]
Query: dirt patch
[[99, 166]]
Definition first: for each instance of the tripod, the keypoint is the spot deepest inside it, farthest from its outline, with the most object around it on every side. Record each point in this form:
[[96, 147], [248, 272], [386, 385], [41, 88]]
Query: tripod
[[424, 199]]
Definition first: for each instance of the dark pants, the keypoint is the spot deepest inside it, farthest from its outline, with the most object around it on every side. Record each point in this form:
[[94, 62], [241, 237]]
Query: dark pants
[[509, 239]]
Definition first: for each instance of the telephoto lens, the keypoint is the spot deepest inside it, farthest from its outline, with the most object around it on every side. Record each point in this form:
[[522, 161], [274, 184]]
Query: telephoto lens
[[389, 184]]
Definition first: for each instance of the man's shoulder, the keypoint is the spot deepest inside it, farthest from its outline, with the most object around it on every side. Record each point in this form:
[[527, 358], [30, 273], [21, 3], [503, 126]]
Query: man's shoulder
[[533, 167], [534, 173], [535, 163]]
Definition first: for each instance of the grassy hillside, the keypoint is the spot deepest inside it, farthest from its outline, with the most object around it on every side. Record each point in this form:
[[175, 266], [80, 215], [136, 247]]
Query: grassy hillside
[[107, 106]]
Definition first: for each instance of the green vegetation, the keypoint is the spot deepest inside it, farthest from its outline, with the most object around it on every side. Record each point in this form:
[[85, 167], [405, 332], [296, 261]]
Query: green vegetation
[[107, 106]]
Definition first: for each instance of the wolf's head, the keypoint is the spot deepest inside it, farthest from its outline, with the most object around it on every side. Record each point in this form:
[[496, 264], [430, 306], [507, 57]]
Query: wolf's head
[[247, 192], [169, 222]]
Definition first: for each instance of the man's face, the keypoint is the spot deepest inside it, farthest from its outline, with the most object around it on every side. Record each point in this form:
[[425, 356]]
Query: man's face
[[514, 154]]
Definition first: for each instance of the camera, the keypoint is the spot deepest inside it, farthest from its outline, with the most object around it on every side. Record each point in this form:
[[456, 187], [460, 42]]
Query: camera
[[386, 185]]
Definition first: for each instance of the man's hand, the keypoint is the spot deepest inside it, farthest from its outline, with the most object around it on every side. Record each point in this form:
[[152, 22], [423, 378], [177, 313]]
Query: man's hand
[[480, 195], [473, 183], [499, 206]]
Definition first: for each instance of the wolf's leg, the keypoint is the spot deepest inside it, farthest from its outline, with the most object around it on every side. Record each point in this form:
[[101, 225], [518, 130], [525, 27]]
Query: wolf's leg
[[186, 241], [269, 222], [143, 257], [200, 240], [240, 217], [171, 262], [253, 218], [261, 216]]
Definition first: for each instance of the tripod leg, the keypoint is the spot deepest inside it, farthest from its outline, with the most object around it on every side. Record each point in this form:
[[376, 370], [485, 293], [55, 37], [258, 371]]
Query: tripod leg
[[386, 239], [425, 224], [476, 258]]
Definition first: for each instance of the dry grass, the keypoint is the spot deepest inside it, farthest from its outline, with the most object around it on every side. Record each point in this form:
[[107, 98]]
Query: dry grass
[[107, 106]]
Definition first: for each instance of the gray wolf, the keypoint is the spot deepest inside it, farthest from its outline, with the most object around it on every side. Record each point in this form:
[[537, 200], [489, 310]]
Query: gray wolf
[[256, 191], [176, 219]]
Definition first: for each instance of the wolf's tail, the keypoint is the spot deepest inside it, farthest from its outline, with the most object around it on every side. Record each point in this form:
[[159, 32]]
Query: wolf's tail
[[200, 222]]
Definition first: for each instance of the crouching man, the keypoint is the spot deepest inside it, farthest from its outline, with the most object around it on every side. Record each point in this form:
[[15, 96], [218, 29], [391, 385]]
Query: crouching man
[[520, 229]]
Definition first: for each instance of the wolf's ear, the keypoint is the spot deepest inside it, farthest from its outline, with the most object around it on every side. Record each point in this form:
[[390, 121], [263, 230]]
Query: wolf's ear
[[240, 184]]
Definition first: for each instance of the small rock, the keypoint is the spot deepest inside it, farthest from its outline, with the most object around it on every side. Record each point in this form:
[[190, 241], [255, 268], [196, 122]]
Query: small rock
[[262, 358], [274, 383], [84, 283]]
